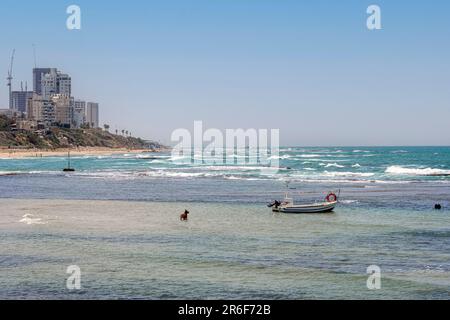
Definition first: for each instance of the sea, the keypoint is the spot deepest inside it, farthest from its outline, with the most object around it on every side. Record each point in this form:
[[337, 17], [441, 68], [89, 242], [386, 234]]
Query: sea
[[117, 218]]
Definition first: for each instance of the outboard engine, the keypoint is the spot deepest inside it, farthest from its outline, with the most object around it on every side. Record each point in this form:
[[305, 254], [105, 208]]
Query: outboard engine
[[275, 204]]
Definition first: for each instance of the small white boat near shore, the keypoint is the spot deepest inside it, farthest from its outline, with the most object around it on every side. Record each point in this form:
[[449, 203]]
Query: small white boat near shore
[[288, 206]]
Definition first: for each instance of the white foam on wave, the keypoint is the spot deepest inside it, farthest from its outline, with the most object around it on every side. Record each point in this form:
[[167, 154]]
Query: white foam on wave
[[29, 219], [231, 168], [284, 157], [356, 165], [398, 170], [349, 174], [348, 201], [242, 178], [158, 161], [309, 155], [9, 173], [335, 165], [178, 158]]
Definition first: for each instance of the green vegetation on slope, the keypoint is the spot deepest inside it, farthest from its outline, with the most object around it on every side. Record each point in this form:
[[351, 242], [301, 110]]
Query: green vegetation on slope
[[63, 138]]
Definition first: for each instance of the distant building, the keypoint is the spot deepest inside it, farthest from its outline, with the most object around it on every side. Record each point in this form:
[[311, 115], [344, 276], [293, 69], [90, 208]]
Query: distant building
[[64, 84], [55, 82], [38, 74], [27, 125], [78, 113], [63, 108], [92, 114], [7, 112], [19, 100], [42, 110], [51, 102]]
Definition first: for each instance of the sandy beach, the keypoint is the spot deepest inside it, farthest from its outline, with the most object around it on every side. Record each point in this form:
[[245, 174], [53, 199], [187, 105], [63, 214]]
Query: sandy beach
[[36, 153]]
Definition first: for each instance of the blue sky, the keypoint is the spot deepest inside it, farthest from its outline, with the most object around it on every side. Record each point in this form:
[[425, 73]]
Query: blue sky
[[310, 68]]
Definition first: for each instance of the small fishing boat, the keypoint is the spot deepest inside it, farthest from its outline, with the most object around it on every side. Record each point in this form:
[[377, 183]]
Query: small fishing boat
[[288, 206]]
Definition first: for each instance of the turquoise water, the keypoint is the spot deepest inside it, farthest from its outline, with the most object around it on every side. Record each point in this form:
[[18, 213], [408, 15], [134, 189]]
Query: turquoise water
[[117, 218], [342, 165], [140, 250]]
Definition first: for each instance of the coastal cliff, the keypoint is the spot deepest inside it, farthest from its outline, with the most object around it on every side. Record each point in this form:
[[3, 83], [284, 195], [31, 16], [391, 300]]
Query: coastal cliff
[[56, 138]]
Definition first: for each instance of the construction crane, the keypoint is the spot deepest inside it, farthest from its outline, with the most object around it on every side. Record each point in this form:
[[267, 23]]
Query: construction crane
[[10, 78]]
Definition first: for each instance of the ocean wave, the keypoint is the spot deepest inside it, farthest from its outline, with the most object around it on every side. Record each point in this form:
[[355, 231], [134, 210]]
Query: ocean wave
[[231, 168], [10, 173], [349, 174], [158, 161], [321, 160], [284, 157], [348, 201], [242, 178], [356, 165], [398, 170], [29, 219], [309, 155], [335, 165]]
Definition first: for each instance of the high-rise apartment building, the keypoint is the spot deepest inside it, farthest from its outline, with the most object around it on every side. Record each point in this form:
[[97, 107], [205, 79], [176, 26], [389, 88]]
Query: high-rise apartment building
[[40, 109], [92, 114], [55, 82], [62, 105], [38, 74], [19, 100], [78, 113]]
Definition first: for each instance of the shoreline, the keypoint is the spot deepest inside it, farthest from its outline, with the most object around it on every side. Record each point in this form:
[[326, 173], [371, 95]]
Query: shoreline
[[82, 151]]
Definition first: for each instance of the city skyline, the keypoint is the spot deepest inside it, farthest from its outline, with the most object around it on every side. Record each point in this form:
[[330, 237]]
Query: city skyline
[[241, 64], [50, 103]]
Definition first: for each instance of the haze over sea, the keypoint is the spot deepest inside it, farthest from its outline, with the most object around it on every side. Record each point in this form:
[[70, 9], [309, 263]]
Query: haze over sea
[[117, 218]]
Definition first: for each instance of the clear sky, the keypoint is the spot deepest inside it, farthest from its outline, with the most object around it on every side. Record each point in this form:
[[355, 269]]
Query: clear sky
[[310, 68]]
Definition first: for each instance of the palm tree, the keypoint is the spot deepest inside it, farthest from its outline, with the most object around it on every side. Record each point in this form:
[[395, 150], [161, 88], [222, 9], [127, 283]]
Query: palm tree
[[126, 132], [106, 126], [117, 132], [123, 132]]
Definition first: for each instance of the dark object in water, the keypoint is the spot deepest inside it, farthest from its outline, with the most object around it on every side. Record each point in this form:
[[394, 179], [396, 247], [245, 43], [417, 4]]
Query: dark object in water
[[184, 216], [275, 204], [437, 206], [68, 169]]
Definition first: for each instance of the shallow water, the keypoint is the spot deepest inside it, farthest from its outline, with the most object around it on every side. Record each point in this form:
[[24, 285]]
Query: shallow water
[[140, 250]]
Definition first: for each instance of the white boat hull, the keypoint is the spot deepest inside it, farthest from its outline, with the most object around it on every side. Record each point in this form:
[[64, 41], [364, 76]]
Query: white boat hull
[[313, 208]]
